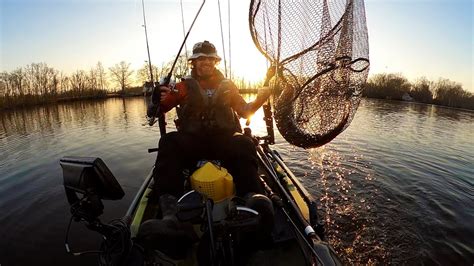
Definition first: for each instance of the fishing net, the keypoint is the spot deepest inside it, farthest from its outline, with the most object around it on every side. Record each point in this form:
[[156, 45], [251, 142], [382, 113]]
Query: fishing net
[[321, 49]]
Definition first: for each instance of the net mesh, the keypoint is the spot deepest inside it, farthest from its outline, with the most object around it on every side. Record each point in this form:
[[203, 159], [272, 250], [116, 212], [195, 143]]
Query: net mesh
[[321, 48]]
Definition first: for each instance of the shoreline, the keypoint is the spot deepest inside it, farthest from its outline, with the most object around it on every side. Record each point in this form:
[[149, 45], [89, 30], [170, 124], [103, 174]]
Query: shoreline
[[135, 94], [21, 105]]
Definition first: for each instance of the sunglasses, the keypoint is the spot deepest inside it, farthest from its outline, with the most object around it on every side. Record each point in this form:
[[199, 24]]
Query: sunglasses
[[202, 58]]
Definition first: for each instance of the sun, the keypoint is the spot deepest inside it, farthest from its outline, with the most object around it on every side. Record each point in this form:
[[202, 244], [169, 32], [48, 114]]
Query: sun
[[252, 71], [246, 63]]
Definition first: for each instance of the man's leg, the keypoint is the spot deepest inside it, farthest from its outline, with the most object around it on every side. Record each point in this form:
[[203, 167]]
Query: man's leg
[[242, 163], [240, 158], [175, 150]]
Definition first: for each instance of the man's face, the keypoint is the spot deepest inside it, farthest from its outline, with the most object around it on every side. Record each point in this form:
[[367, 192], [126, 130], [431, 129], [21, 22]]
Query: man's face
[[204, 66]]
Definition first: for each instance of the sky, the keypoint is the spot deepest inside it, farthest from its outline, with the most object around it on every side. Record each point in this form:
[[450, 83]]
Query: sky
[[417, 38]]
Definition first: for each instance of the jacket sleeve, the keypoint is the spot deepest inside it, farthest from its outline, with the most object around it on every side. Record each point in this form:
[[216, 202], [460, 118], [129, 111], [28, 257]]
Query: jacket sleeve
[[174, 98]]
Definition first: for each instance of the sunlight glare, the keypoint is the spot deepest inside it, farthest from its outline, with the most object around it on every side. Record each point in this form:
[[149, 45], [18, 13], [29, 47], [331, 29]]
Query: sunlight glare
[[250, 68]]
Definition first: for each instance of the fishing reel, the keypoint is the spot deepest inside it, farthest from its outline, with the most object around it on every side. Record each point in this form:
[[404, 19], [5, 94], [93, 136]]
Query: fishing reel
[[153, 98]]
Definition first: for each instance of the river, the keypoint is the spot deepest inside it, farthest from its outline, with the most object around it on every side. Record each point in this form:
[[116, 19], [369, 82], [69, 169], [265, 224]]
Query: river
[[396, 187]]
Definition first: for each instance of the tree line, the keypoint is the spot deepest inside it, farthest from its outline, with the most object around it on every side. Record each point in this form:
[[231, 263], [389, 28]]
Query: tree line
[[39, 83], [395, 86]]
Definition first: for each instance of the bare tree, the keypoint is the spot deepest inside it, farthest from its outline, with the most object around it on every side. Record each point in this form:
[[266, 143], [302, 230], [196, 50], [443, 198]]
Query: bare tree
[[29, 88], [143, 74], [181, 67], [78, 82], [389, 86], [5, 88], [421, 90], [41, 80], [17, 81], [163, 71], [101, 77], [92, 80], [121, 74], [54, 87], [449, 93], [63, 83]]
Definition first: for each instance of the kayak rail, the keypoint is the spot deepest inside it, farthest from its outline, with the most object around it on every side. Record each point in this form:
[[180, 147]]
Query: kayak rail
[[307, 197], [136, 200]]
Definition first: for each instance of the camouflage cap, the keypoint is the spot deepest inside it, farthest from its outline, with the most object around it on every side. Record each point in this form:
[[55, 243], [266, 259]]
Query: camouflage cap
[[204, 49]]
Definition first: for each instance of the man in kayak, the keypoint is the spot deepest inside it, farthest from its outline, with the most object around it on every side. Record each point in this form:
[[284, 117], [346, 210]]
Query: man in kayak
[[208, 108], [208, 126]]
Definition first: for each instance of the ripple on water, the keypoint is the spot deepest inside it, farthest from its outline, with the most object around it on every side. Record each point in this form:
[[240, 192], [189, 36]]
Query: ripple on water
[[344, 186], [395, 188]]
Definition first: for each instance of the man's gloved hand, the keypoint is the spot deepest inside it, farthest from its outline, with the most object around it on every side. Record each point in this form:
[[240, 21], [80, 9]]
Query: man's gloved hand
[[270, 74], [263, 94], [164, 92], [154, 103]]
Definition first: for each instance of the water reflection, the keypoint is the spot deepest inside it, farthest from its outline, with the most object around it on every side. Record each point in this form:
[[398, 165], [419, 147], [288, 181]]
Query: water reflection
[[389, 180], [434, 111], [395, 187], [449, 113], [50, 117], [64, 116], [420, 108], [346, 191]]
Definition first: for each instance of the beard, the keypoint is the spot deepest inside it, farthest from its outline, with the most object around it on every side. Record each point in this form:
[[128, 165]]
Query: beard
[[205, 72]]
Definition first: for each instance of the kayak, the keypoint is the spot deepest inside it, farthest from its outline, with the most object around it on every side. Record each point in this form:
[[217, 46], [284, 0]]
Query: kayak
[[227, 235]]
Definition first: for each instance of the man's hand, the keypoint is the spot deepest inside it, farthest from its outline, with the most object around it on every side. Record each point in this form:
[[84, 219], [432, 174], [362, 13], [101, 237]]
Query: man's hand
[[270, 74], [263, 94], [164, 92]]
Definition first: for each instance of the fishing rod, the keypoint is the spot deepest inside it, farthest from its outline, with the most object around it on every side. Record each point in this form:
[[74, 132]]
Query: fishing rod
[[156, 95], [184, 31], [168, 77], [147, 46], [222, 37], [161, 117]]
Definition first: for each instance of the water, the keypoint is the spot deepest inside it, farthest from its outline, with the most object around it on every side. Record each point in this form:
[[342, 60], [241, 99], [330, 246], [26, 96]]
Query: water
[[396, 187]]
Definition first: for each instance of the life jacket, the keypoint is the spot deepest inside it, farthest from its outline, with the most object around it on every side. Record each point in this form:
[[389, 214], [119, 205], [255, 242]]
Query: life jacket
[[207, 111]]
